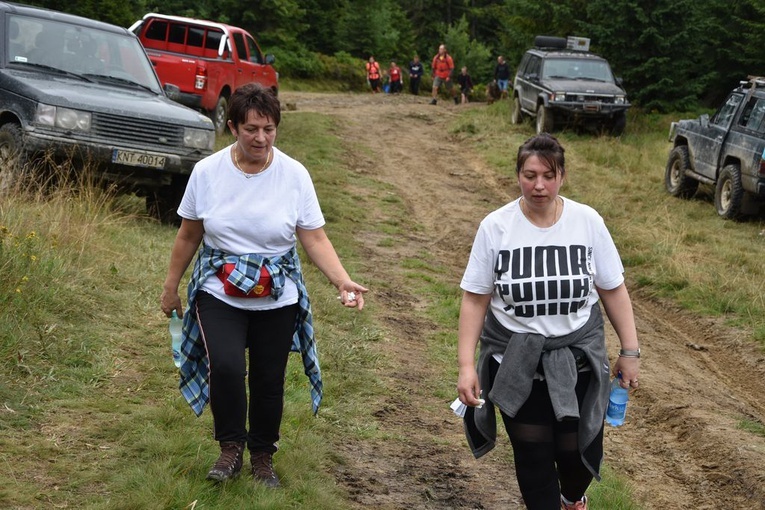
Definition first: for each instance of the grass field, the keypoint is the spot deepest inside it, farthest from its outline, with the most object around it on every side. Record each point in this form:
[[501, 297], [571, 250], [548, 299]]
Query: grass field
[[90, 416]]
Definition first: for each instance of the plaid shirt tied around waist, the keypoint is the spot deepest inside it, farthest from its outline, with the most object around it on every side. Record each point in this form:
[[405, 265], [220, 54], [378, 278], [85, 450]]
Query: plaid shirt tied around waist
[[195, 365]]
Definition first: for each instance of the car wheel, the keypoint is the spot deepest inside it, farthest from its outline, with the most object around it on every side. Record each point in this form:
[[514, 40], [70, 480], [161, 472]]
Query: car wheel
[[219, 115], [677, 182], [729, 193], [545, 121], [163, 203], [11, 154], [516, 114], [618, 124]]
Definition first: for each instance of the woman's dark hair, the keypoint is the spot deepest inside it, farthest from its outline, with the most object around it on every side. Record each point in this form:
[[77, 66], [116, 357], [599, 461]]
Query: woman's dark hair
[[547, 148], [253, 97]]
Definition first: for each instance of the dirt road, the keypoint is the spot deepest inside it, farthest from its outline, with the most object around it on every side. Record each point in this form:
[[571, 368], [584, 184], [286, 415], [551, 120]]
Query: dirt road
[[681, 447]]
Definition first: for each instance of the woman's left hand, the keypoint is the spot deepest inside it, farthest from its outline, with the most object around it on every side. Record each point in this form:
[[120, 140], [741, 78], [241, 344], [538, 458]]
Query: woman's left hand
[[630, 369], [352, 294]]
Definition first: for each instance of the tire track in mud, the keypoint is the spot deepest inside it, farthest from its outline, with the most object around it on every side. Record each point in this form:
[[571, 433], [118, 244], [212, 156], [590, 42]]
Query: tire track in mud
[[681, 445]]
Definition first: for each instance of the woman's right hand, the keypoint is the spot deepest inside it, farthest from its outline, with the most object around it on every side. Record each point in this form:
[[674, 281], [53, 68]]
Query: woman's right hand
[[170, 301], [468, 387]]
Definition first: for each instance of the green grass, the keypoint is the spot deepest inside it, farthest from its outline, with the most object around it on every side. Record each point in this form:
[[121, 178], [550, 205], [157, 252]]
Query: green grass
[[90, 415]]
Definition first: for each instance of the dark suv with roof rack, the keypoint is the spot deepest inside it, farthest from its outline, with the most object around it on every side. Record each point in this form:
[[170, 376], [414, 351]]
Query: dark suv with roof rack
[[560, 82], [726, 150]]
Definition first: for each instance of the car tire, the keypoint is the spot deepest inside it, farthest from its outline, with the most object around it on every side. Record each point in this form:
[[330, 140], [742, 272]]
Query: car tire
[[219, 115], [729, 193], [545, 121], [516, 114], [11, 154], [618, 124], [163, 203], [677, 182]]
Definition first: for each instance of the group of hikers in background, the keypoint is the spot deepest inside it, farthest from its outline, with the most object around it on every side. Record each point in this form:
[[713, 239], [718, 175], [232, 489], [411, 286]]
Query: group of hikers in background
[[442, 69]]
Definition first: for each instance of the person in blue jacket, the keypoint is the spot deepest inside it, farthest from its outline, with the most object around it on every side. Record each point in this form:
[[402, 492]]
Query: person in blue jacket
[[416, 69]]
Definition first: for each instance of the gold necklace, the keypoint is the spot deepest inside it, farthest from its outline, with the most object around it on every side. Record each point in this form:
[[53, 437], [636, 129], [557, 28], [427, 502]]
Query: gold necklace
[[246, 175], [555, 212]]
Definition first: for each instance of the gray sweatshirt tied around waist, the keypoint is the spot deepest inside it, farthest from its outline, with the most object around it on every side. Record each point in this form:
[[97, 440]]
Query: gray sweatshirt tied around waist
[[512, 384]]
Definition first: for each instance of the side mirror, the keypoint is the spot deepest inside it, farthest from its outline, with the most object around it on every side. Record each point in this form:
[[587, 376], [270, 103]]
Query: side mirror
[[618, 80], [704, 119], [270, 59], [172, 92], [532, 77]]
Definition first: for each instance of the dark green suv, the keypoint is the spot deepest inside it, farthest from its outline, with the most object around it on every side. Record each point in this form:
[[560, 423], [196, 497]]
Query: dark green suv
[[560, 82], [78, 90]]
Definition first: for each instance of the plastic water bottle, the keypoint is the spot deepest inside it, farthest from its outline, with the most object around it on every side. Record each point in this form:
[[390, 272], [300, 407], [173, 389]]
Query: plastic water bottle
[[176, 328], [617, 403]]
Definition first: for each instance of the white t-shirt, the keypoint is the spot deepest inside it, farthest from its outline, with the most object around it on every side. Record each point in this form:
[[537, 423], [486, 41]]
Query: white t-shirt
[[541, 279], [255, 215]]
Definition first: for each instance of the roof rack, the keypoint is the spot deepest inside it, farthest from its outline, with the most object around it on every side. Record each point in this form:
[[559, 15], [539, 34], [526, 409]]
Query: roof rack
[[570, 43], [753, 82]]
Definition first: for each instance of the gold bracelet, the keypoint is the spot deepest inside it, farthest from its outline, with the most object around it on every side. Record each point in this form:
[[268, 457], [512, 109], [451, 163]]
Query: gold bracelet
[[626, 353]]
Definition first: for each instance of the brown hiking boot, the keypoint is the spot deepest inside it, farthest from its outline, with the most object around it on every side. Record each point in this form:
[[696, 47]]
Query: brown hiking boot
[[263, 469], [229, 464]]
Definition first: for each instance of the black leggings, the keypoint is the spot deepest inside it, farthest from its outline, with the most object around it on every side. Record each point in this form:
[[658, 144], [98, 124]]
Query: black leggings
[[227, 331], [546, 451]]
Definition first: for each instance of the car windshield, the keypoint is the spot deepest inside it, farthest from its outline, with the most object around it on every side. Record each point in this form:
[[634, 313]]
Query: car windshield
[[574, 69], [79, 52]]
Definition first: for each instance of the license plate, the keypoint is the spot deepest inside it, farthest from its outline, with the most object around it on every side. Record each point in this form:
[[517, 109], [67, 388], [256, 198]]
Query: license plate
[[137, 159], [592, 107]]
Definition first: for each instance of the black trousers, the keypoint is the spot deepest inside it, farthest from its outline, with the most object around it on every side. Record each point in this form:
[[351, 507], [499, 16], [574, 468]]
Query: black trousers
[[546, 451], [229, 332], [414, 85]]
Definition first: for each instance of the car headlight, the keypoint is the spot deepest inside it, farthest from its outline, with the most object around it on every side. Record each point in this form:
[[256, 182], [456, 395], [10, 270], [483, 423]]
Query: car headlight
[[199, 138], [619, 99], [558, 96], [64, 118]]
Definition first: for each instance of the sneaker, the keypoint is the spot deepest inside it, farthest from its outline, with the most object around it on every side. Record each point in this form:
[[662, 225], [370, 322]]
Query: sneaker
[[456, 100], [433, 101], [576, 505], [263, 469], [229, 464]]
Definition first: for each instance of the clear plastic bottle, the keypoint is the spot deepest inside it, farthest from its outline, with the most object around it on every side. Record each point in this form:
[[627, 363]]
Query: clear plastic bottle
[[176, 329], [617, 403]]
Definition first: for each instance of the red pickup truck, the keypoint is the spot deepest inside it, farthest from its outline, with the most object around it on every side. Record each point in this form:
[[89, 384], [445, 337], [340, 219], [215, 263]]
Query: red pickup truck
[[205, 59]]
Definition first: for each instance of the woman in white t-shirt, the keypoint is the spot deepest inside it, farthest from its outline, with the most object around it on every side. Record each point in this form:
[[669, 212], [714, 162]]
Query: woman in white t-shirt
[[537, 269], [247, 205]]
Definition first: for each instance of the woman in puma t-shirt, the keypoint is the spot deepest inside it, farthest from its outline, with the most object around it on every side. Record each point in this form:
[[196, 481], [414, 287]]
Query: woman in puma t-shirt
[[537, 269]]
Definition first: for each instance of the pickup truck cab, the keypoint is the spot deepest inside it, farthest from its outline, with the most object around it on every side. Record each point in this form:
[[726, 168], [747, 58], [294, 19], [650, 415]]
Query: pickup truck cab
[[83, 93], [726, 150], [208, 61]]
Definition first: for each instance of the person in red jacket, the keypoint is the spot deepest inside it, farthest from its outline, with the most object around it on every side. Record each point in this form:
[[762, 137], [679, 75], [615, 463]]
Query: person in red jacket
[[442, 67], [373, 75], [396, 83]]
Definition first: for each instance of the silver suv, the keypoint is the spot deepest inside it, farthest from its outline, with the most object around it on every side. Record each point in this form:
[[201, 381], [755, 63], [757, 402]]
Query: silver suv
[[560, 82]]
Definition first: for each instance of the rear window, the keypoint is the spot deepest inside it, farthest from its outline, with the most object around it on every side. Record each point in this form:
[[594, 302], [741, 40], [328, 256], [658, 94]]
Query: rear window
[[196, 37], [177, 34], [157, 31], [182, 38]]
